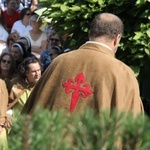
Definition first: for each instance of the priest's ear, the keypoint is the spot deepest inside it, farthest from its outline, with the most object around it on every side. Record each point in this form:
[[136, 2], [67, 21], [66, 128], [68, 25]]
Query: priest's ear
[[117, 40]]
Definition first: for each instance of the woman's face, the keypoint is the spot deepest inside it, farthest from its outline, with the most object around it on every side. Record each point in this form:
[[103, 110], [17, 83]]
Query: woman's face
[[54, 41], [6, 63], [36, 24], [16, 53]]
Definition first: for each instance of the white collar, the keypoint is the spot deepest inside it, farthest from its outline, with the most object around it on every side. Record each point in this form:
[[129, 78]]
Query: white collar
[[100, 44]]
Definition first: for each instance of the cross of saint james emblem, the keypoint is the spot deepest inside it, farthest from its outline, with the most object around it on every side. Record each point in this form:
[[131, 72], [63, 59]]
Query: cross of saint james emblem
[[78, 88]]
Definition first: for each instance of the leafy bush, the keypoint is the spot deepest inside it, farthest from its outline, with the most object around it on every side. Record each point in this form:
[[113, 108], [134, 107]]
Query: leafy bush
[[86, 130]]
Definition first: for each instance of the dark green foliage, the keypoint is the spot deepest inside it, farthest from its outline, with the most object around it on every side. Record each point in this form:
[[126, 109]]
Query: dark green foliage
[[84, 130]]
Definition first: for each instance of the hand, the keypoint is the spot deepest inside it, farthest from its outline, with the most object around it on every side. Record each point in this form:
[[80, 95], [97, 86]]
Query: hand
[[34, 7], [7, 124]]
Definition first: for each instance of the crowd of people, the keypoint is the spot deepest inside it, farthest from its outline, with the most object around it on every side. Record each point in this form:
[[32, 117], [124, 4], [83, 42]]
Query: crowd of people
[[26, 51]]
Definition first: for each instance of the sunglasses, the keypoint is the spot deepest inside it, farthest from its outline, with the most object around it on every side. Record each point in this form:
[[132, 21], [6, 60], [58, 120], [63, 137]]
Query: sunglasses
[[6, 61], [28, 14], [52, 39]]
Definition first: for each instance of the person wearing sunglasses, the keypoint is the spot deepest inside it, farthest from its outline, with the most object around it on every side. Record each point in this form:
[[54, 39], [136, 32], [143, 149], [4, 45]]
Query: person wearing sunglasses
[[21, 86], [54, 52], [7, 68], [22, 26], [53, 40]]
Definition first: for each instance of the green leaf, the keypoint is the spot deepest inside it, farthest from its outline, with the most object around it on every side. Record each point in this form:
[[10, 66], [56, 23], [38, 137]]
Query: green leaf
[[147, 51], [100, 2], [137, 36], [133, 50], [140, 2], [92, 1], [40, 11], [75, 8], [148, 33], [136, 70], [63, 8], [139, 56], [56, 5]]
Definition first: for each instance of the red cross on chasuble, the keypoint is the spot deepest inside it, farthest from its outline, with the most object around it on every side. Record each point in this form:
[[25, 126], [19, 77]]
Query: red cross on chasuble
[[78, 88]]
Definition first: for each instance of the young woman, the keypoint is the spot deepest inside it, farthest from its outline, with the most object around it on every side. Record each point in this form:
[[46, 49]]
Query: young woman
[[7, 68], [54, 40], [19, 53], [21, 26], [37, 37]]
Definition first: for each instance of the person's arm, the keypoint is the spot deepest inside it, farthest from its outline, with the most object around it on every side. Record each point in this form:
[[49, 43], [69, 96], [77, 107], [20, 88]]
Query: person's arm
[[34, 5]]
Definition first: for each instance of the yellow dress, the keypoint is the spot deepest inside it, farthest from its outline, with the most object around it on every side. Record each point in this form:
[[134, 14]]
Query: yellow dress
[[3, 140], [21, 102]]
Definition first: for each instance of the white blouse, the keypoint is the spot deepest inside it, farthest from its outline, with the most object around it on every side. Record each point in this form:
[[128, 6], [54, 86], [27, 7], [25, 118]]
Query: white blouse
[[39, 41], [20, 28], [3, 34], [3, 38]]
